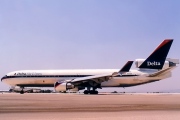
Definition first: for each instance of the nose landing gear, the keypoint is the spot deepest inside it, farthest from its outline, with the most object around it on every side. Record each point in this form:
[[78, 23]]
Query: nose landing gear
[[22, 90]]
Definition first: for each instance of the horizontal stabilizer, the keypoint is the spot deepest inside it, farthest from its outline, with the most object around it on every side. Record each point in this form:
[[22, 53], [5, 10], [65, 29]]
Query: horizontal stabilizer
[[161, 72]]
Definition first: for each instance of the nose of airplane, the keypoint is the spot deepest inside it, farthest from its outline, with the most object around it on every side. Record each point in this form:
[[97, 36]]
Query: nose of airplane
[[3, 77]]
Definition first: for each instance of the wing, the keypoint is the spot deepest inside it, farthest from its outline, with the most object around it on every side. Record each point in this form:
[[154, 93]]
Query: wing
[[103, 77], [95, 78]]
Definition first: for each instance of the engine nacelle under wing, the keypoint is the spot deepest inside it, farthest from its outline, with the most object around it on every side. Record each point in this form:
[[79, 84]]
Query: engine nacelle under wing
[[63, 86]]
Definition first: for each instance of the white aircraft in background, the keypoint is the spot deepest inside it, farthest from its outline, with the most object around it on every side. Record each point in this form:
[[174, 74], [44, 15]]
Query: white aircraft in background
[[27, 90], [156, 67]]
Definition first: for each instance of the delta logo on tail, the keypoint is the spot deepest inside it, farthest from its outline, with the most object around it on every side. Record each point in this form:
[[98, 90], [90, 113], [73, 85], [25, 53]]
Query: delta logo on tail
[[157, 58], [154, 63]]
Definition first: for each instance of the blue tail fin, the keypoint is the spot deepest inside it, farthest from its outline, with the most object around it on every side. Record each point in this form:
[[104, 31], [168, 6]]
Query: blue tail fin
[[157, 58]]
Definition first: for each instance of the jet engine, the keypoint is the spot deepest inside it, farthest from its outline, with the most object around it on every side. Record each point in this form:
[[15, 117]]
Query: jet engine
[[63, 86]]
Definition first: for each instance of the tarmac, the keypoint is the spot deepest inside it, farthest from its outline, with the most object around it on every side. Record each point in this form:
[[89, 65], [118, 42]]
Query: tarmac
[[56, 106]]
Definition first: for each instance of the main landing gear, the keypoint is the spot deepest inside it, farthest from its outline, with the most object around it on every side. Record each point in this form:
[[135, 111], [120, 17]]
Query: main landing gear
[[88, 91]]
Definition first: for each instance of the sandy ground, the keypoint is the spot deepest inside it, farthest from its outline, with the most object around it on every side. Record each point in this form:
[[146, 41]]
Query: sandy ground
[[92, 107]]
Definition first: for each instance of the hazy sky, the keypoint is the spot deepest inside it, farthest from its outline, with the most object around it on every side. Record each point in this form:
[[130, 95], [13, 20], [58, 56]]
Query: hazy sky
[[87, 34]]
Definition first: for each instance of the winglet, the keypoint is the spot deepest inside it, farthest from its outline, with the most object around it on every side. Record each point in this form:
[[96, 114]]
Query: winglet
[[126, 67], [157, 58]]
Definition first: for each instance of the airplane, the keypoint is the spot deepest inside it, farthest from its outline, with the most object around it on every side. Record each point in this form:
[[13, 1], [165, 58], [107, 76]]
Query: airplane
[[27, 90], [156, 67]]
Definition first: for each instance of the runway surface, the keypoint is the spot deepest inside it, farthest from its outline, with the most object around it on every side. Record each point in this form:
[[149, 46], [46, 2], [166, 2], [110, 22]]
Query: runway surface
[[92, 107]]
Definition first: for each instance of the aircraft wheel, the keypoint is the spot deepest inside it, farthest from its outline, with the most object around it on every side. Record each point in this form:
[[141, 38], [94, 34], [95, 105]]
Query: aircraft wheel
[[22, 92], [86, 92], [93, 92]]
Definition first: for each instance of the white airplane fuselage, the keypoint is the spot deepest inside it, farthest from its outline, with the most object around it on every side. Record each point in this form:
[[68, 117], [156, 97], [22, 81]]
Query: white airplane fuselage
[[47, 78]]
